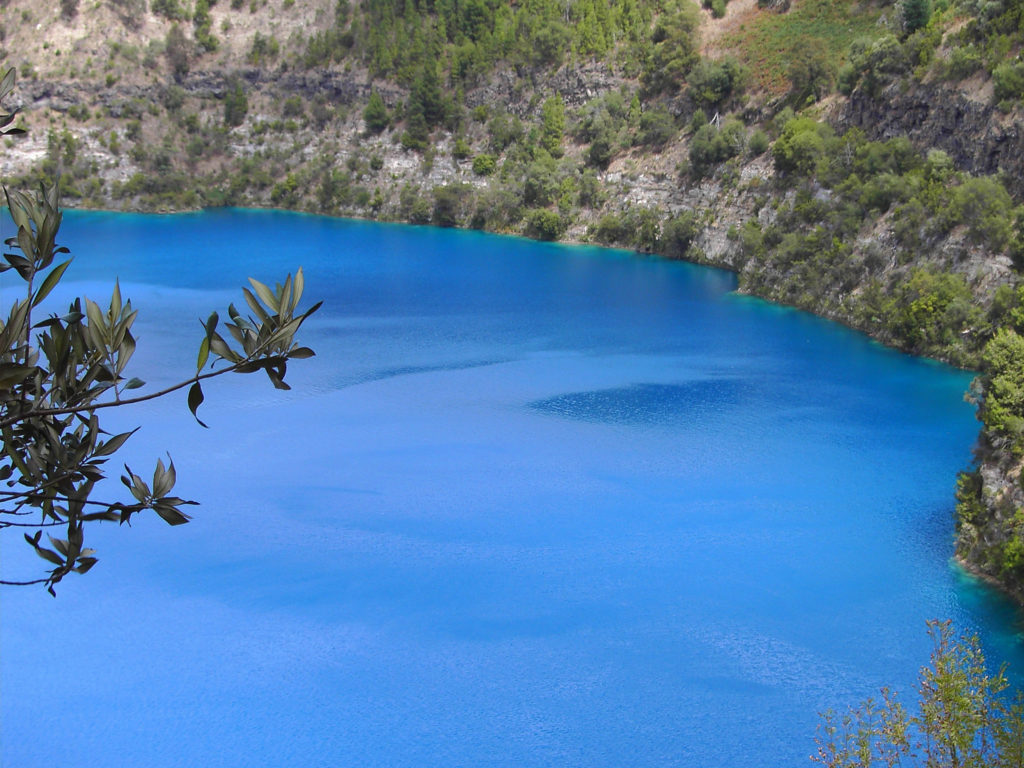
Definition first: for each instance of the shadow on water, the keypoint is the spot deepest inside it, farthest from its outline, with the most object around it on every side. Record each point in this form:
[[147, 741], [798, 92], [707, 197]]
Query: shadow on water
[[646, 404]]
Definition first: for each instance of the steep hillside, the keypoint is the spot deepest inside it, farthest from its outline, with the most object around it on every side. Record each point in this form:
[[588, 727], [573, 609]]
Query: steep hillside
[[861, 161]]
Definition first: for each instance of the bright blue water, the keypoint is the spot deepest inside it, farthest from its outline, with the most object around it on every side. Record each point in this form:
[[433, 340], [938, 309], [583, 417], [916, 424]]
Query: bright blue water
[[531, 505]]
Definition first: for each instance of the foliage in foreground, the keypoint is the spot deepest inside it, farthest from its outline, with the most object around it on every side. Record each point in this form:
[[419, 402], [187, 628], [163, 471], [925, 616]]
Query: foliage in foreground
[[57, 373], [962, 719]]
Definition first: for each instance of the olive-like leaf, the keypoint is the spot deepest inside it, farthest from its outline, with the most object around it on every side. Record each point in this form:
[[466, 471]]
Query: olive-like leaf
[[112, 445], [195, 399], [300, 284], [265, 294], [204, 353], [115, 300], [50, 282], [172, 515], [49, 555], [162, 480]]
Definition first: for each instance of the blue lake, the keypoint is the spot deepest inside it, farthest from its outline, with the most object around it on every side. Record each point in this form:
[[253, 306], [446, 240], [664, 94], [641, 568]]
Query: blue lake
[[530, 505]]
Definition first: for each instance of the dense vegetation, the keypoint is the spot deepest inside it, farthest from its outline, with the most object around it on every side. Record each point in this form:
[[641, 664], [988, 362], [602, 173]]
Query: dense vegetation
[[961, 717]]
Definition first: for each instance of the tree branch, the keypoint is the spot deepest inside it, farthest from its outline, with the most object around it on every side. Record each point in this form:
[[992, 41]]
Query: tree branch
[[114, 403]]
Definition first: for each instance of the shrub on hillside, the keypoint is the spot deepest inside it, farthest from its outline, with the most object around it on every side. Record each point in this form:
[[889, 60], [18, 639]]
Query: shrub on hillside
[[544, 224], [484, 164]]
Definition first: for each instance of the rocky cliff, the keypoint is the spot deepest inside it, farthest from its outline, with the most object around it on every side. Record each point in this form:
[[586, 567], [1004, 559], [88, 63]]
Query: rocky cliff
[[958, 118]]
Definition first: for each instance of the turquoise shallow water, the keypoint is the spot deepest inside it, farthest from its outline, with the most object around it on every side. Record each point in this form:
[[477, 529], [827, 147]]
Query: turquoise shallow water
[[531, 505]]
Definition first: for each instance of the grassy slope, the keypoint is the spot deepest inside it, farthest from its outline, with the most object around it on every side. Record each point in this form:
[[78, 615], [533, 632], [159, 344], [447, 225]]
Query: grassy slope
[[767, 42]]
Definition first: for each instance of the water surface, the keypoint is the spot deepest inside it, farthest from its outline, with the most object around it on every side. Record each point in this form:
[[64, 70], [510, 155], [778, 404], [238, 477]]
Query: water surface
[[531, 505]]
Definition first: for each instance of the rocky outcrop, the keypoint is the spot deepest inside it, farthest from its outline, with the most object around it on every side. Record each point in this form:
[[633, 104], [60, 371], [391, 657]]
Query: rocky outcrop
[[976, 135], [576, 85], [990, 521]]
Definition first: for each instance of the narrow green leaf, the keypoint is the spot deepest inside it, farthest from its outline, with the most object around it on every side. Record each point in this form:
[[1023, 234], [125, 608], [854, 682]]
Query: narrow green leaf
[[112, 445], [115, 300], [311, 310], [49, 555], [108, 515], [255, 306], [284, 303], [220, 348], [276, 374], [172, 515], [12, 453], [162, 482], [251, 367], [236, 333], [26, 242], [125, 350], [172, 475], [59, 544], [134, 383], [301, 353], [14, 373], [265, 294], [50, 282], [204, 353], [300, 284], [95, 315]]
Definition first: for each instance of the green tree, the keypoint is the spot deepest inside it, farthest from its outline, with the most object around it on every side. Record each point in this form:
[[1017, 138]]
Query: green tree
[[427, 97], [602, 149], [236, 105], [263, 49], [712, 82], [375, 115], [678, 234], [810, 75], [544, 224], [801, 146], [915, 14], [674, 50], [962, 718], [552, 117], [484, 164], [1002, 406], [657, 127], [178, 51], [417, 132], [505, 130], [202, 23], [449, 204], [711, 146], [983, 203], [170, 9]]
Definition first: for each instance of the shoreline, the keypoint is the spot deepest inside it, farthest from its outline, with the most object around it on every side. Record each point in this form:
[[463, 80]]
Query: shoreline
[[1016, 598]]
